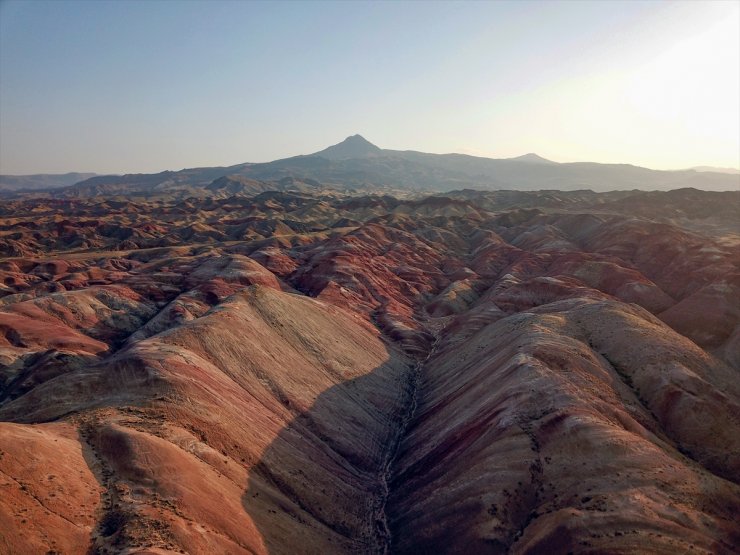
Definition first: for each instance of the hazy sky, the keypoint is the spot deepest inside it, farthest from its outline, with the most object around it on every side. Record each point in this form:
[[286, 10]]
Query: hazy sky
[[146, 86]]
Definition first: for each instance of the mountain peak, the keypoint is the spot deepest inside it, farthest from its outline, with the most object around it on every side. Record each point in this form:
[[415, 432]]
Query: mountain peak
[[533, 158], [355, 146]]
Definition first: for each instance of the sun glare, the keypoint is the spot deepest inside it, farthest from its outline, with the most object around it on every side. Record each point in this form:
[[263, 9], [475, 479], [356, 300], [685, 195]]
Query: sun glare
[[694, 85]]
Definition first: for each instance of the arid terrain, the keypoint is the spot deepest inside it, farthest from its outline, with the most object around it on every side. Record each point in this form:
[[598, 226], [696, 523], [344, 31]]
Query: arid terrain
[[409, 277], [281, 367]]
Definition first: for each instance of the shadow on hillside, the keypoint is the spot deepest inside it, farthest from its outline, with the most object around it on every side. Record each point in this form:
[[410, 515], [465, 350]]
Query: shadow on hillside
[[319, 486]]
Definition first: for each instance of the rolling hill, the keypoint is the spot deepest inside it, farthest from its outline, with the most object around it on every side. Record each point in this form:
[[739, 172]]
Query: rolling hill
[[262, 371]]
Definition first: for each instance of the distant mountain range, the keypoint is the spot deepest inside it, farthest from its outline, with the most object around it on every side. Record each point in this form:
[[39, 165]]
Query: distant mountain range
[[41, 181], [356, 163], [733, 171]]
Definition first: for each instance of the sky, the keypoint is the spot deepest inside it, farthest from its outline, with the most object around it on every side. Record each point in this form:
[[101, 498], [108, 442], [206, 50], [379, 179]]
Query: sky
[[144, 86]]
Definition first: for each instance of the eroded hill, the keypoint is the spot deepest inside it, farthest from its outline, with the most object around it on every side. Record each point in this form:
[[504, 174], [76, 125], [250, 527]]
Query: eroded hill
[[302, 372]]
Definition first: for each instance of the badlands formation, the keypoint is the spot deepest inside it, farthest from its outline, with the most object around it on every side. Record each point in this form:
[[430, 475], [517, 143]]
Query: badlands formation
[[307, 371]]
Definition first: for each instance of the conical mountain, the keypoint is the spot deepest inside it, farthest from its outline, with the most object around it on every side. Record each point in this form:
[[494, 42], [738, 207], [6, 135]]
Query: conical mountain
[[533, 159], [355, 146]]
